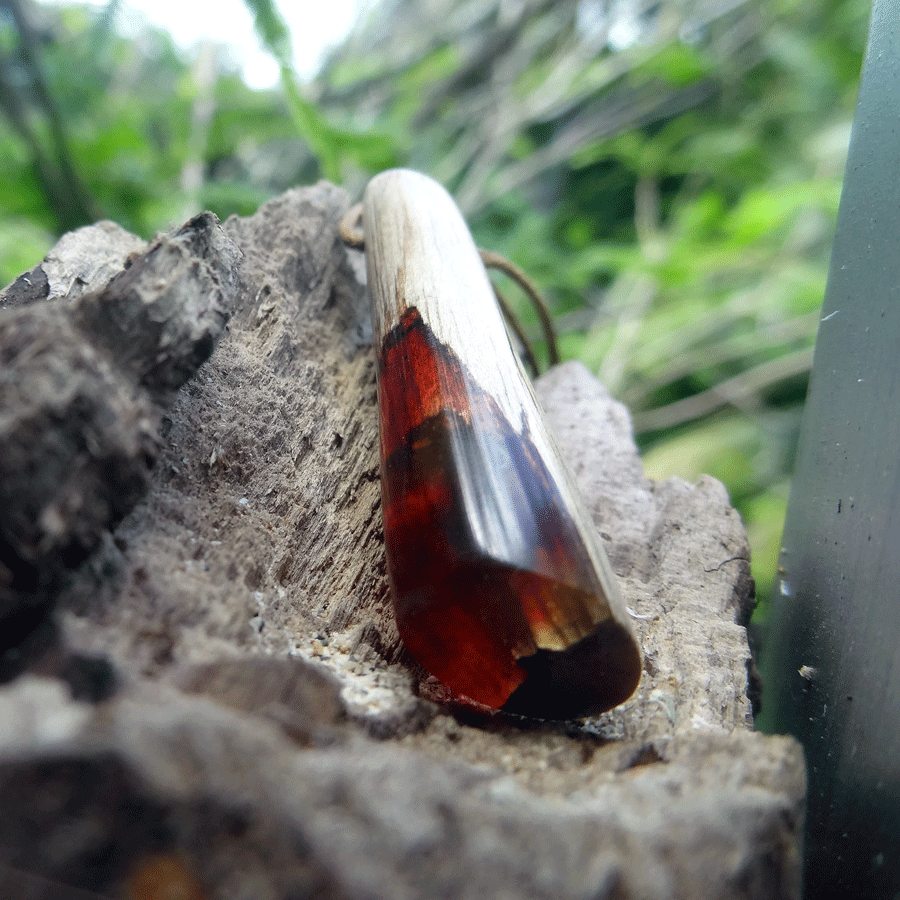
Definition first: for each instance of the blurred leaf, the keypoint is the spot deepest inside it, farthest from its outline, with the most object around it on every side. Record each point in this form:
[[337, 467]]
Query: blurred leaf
[[678, 64], [22, 244], [764, 517], [312, 127], [370, 150], [271, 28]]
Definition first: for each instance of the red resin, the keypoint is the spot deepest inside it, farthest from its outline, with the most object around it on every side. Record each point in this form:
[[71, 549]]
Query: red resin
[[481, 553]]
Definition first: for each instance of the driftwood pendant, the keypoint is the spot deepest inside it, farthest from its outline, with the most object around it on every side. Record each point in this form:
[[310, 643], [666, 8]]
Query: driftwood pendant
[[500, 586]]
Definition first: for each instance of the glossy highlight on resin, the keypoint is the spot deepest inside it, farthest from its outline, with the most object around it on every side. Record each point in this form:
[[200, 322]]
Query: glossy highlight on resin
[[495, 592]]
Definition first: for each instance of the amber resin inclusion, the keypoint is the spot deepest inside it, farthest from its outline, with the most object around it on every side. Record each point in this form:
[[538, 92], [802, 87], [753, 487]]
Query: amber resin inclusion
[[494, 591]]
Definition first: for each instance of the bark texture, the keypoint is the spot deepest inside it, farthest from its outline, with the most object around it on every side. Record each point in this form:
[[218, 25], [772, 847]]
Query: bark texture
[[216, 701]]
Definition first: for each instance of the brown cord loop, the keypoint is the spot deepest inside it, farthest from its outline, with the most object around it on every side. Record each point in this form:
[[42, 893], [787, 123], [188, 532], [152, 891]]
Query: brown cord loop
[[351, 232], [493, 260], [516, 327], [350, 227]]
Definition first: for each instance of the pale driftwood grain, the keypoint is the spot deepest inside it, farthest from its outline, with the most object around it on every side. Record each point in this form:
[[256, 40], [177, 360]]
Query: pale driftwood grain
[[420, 253]]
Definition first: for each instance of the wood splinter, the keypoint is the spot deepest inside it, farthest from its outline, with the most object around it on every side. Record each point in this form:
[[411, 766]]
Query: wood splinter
[[501, 587]]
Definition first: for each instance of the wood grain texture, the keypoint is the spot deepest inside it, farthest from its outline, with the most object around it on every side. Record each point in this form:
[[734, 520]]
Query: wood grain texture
[[501, 588]]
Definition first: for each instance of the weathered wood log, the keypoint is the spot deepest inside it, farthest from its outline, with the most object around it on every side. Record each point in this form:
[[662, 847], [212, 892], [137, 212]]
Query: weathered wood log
[[257, 553], [84, 376]]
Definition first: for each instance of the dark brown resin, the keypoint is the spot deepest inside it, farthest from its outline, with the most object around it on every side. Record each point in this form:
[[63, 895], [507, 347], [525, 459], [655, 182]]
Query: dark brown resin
[[494, 591]]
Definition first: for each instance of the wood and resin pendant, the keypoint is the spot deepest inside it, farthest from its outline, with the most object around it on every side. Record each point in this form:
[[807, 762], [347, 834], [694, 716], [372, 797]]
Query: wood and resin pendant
[[500, 586]]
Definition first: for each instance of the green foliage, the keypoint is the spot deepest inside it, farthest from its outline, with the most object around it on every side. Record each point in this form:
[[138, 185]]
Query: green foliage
[[670, 175], [271, 29], [151, 137], [371, 150], [330, 144], [675, 194], [22, 243]]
